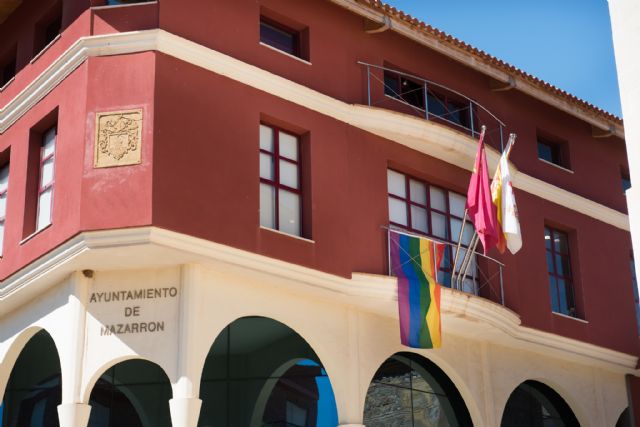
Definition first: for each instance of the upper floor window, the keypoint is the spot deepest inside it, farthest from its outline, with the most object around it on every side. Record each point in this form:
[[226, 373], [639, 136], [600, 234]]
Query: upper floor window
[[422, 208], [446, 107], [625, 180], [4, 187], [8, 67], [45, 189], [553, 152], [280, 180], [559, 268], [48, 28], [289, 38]]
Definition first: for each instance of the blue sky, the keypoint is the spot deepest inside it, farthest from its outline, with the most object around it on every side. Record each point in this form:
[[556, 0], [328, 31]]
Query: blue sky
[[565, 42]]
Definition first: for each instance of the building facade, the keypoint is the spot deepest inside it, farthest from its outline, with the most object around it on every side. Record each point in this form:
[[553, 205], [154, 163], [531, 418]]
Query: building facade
[[196, 199]]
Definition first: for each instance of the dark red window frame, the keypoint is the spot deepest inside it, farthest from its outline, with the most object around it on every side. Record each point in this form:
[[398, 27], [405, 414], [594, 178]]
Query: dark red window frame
[[552, 253], [447, 262], [275, 183]]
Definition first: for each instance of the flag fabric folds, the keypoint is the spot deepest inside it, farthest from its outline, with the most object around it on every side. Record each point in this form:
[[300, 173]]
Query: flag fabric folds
[[415, 262], [506, 209], [480, 207]]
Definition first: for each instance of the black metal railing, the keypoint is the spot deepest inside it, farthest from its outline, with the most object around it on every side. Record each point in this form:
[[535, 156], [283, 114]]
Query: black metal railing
[[400, 91]]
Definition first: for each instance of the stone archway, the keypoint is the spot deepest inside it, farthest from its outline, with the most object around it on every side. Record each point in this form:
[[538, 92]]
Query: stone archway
[[34, 391], [260, 372], [534, 404]]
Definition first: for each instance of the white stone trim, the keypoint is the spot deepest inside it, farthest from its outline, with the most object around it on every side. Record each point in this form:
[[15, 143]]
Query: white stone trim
[[463, 314]]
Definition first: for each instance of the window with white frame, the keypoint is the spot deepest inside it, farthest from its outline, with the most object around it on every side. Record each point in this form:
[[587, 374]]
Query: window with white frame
[[4, 187], [422, 208], [280, 186], [46, 181]]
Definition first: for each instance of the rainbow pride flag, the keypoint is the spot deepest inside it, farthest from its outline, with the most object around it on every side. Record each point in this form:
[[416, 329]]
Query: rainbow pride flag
[[415, 262]]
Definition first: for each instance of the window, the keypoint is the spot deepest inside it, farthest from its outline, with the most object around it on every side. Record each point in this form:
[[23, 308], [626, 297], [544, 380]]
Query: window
[[46, 180], [425, 209], [291, 38], [280, 181], [8, 67], [559, 268], [440, 105], [4, 186], [48, 28], [625, 179], [553, 152]]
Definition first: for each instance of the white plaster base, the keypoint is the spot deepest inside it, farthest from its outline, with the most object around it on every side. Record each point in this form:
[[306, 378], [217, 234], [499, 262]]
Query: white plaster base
[[74, 414], [185, 411]]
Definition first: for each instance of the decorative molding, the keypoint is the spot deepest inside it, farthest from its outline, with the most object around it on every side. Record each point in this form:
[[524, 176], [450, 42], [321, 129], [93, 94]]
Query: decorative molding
[[463, 313], [425, 136], [118, 138]]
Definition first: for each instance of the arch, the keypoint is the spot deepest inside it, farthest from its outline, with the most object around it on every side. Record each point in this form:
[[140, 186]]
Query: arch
[[34, 387], [624, 420], [8, 360], [258, 371], [533, 403], [408, 389], [133, 392]]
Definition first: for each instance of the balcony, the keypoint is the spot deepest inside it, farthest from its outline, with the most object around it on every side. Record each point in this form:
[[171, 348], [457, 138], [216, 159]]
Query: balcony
[[406, 93]]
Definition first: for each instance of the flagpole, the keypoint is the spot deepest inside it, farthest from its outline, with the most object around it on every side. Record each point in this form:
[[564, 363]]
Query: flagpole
[[455, 261]]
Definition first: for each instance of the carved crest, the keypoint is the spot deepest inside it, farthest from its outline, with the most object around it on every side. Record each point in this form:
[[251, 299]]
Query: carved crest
[[118, 138]]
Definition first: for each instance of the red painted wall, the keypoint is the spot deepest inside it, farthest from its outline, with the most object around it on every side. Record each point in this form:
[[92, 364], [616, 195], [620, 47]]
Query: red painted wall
[[199, 173]]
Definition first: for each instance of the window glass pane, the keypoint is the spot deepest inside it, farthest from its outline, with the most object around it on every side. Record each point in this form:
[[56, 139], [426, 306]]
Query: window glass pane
[[469, 286], [562, 291], [44, 209], [455, 231], [266, 166], [267, 206], [419, 219], [391, 87], [48, 142], [396, 184], [560, 242], [288, 146], [288, 174], [436, 104], [553, 291], [439, 225], [547, 238], [437, 199], [418, 192], [4, 178], [457, 203], [47, 172], [289, 212], [550, 267], [278, 38], [397, 211], [562, 265], [266, 138], [3, 205]]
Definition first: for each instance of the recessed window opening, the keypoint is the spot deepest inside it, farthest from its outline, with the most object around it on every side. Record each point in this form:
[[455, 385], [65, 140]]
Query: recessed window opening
[[553, 152], [280, 180], [48, 29], [4, 189], [625, 180], [8, 67], [280, 36], [559, 269]]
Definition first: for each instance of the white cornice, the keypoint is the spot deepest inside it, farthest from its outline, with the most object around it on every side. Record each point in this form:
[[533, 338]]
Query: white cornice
[[425, 136], [151, 247], [472, 62]]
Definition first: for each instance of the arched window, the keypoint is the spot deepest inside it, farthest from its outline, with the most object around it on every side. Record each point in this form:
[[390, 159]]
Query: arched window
[[261, 373], [33, 392], [134, 393], [408, 390], [533, 404]]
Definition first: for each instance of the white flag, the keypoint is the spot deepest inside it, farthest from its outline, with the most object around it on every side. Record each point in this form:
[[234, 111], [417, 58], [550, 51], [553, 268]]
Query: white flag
[[505, 202]]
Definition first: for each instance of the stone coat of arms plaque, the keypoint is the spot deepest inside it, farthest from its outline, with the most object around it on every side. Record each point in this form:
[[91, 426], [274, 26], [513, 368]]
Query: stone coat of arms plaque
[[118, 138]]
